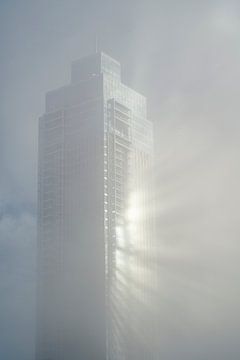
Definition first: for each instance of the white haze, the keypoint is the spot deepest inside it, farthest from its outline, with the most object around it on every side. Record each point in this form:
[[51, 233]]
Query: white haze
[[184, 55]]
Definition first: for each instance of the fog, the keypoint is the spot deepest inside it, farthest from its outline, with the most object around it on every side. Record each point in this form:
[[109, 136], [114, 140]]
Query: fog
[[184, 56]]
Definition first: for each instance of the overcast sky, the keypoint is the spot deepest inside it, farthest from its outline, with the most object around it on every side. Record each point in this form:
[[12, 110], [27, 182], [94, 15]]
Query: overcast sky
[[184, 56]]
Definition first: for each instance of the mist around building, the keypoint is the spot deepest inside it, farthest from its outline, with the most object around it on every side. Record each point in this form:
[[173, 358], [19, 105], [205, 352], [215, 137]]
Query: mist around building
[[119, 180]]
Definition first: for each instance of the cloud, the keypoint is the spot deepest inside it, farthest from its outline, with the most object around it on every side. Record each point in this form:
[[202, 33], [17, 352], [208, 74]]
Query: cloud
[[17, 284], [184, 56]]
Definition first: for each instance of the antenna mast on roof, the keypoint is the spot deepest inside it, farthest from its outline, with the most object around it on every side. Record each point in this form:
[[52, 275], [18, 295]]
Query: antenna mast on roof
[[96, 44]]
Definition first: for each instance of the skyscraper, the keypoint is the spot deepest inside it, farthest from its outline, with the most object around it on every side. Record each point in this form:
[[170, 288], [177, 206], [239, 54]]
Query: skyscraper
[[94, 218]]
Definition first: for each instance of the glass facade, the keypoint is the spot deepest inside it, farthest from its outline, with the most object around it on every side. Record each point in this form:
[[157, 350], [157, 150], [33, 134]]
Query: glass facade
[[94, 223]]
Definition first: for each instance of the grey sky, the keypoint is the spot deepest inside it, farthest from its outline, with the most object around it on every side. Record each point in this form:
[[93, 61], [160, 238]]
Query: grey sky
[[184, 55]]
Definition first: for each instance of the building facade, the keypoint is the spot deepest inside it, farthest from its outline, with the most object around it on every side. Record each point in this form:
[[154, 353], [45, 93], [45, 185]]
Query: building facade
[[95, 239]]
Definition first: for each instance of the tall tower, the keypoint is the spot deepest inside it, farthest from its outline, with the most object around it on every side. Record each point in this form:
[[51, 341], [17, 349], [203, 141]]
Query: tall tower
[[94, 219]]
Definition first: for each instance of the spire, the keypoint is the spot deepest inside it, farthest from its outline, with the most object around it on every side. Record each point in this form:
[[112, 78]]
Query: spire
[[96, 44]]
